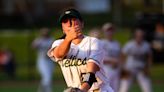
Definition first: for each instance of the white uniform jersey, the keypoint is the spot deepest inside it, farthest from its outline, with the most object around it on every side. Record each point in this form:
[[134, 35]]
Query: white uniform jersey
[[111, 49], [136, 55], [42, 45], [74, 64]]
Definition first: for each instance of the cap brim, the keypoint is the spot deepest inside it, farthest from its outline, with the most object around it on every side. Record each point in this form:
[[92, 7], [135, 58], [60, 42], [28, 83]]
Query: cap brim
[[66, 16]]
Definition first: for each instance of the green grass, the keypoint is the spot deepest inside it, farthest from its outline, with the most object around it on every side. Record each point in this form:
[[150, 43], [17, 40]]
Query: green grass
[[155, 88], [29, 87], [60, 86], [157, 72]]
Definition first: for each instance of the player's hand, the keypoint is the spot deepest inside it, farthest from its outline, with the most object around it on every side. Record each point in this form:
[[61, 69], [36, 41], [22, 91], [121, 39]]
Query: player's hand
[[74, 32], [70, 89]]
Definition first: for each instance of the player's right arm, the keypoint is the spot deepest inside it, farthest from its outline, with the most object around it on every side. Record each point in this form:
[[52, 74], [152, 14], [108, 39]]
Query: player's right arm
[[61, 50]]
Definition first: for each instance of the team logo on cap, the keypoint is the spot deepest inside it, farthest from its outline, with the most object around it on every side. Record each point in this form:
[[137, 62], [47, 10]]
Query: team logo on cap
[[67, 12]]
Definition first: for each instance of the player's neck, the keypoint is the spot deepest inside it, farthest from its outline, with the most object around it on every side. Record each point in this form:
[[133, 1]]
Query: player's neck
[[78, 40]]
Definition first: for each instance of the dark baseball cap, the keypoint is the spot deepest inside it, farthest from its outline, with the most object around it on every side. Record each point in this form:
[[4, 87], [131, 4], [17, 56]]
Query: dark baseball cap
[[69, 13]]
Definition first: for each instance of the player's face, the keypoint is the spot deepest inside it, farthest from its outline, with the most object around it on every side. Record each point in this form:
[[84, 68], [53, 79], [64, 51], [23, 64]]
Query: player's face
[[109, 34], [67, 24], [44, 32], [139, 35]]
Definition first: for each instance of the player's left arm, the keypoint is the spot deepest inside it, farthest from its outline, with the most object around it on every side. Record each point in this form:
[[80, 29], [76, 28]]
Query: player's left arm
[[93, 65], [92, 68]]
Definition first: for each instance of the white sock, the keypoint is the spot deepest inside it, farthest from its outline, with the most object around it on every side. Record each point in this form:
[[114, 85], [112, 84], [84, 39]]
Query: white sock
[[124, 85], [144, 82]]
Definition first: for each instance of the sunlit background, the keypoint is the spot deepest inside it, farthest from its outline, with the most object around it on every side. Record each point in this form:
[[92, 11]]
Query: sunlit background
[[21, 20]]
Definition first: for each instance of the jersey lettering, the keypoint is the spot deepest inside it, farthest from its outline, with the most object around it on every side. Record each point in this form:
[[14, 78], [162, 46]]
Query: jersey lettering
[[73, 61]]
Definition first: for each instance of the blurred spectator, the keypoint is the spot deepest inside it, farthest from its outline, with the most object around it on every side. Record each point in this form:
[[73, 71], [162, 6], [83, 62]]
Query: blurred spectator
[[158, 41], [112, 56], [7, 63], [44, 64], [137, 53]]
